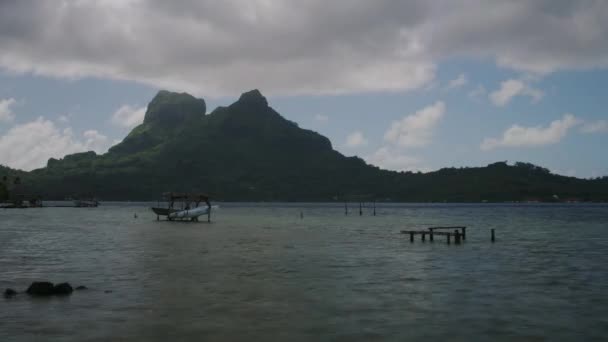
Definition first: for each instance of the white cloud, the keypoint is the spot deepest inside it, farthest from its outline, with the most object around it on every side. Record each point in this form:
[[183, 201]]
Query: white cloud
[[458, 82], [95, 141], [296, 47], [64, 118], [511, 88], [355, 139], [600, 126], [29, 146], [6, 113], [390, 159], [321, 118], [416, 130], [518, 136], [478, 93], [128, 117]]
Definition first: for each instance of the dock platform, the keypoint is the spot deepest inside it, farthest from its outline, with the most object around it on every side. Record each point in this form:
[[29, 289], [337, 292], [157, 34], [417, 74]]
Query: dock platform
[[458, 233]]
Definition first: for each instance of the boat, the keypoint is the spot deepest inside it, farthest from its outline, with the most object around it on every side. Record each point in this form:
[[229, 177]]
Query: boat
[[189, 213], [163, 211], [184, 206]]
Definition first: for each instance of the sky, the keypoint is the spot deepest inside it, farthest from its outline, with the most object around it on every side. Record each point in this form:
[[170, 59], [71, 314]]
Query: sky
[[405, 85]]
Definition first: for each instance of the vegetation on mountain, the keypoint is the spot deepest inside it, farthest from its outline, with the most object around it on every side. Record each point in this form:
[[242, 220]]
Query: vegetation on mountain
[[9, 178], [249, 152]]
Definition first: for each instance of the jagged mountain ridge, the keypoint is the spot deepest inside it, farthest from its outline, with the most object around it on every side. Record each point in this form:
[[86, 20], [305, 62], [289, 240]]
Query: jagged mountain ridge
[[247, 151]]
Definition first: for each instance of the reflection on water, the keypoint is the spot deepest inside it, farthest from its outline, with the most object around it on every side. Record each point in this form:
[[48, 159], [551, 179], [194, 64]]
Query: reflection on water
[[259, 272]]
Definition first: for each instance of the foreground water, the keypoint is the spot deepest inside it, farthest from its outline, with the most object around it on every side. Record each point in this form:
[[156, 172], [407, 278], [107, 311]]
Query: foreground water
[[261, 273]]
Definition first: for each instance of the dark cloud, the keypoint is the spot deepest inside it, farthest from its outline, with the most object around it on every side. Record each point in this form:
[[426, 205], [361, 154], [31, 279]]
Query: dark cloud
[[293, 47]]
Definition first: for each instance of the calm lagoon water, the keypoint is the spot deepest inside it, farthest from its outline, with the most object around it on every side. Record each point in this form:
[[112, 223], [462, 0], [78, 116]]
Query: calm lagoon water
[[260, 273]]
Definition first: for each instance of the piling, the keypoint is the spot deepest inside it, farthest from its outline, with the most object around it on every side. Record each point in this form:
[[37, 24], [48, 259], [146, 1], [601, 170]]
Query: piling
[[423, 237], [360, 209], [345, 209], [374, 207], [411, 236], [492, 235], [457, 237], [449, 237], [431, 236], [464, 233]]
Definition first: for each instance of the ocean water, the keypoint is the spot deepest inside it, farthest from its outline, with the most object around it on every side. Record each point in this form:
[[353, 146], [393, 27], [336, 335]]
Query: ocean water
[[259, 272]]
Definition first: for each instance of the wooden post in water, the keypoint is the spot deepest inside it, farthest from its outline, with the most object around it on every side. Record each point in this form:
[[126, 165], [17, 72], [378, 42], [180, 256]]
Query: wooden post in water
[[374, 207], [431, 236], [345, 208], [457, 237], [411, 236], [209, 215], [449, 236], [360, 209], [423, 237], [464, 233], [492, 234]]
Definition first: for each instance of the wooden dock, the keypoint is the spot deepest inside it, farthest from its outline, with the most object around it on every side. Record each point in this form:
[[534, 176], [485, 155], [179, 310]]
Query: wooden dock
[[457, 233], [431, 234]]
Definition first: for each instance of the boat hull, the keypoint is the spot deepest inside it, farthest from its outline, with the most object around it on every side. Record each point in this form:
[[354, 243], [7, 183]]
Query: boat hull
[[163, 211], [189, 213]]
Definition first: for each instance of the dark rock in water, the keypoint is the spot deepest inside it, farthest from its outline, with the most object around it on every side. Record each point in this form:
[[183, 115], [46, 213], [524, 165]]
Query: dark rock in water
[[81, 287], [8, 293], [41, 288], [63, 289]]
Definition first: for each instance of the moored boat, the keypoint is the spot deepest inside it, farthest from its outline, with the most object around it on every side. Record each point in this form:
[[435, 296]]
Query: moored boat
[[184, 206]]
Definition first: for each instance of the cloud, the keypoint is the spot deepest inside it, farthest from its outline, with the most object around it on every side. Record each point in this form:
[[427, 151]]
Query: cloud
[[355, 139], [64, 118], [128, 117], [390, 159], [416, 130], [6, 113], [458, 82], [518, 136], [511, 88], [95, 141], [223, 47], [600, 126], [321, 118], [29, 146], [216, 48], [478, 93], [540, 37]]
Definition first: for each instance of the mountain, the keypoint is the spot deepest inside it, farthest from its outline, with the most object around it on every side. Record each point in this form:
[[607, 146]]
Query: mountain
[[249, 152]]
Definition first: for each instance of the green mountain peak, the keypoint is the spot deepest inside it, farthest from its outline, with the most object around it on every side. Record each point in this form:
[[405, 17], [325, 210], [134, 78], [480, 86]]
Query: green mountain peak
[[171, 108], [253, 98], [247, 151]]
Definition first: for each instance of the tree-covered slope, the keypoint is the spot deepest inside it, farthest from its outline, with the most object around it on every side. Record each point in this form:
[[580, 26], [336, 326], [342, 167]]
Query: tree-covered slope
[[247, 151]]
